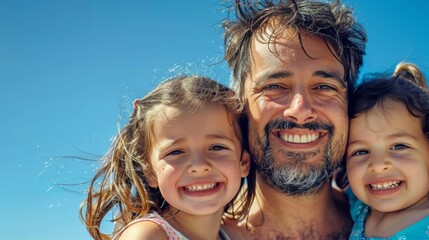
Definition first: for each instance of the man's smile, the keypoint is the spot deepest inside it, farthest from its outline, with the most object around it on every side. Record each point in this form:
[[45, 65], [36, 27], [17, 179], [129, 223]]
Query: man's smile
[[298, 138]]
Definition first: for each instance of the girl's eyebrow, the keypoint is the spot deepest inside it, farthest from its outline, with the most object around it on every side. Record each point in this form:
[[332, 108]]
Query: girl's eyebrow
[[220, 136], [354, 142], [170, 142], [390, 137], [402, 135]]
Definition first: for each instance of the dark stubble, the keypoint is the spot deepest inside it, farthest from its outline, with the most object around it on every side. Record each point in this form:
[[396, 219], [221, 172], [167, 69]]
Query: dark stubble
[[292, 174]]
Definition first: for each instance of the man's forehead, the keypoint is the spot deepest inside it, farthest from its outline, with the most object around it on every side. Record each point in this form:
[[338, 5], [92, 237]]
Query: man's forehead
[[287, 51]]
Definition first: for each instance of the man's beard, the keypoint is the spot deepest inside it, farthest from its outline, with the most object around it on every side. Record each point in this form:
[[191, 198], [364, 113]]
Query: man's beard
[[292, 174]]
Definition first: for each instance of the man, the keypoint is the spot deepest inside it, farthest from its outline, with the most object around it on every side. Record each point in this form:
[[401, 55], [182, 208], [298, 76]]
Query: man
[[293, 63]]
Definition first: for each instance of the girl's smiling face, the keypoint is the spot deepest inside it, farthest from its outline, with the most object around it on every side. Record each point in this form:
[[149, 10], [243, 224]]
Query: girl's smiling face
[[388, 158], [196, 158]]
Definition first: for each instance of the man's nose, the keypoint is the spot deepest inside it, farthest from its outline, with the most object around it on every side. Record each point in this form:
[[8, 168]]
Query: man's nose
[[300, 109]]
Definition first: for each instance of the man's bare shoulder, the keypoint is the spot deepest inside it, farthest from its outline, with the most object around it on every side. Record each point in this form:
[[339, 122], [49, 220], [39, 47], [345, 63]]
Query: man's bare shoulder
[[236, 229], [341, 201]]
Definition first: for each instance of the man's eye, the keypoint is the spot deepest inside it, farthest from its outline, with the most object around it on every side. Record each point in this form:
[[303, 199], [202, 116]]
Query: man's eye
[[272, 87], [276, 86], [326, 87]]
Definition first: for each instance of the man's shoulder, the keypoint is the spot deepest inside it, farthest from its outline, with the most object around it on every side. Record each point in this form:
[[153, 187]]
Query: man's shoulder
[[341, 200], [236, 229]]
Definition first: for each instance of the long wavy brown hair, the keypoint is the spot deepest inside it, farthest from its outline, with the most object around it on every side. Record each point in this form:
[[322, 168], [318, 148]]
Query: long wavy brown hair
[[120, 184]]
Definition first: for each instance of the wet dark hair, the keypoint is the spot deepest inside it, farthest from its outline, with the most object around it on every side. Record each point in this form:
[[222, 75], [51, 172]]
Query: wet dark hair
[[333, 22]]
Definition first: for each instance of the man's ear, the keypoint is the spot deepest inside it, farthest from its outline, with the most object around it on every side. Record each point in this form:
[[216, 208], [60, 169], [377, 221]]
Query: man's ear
[[245, 164]]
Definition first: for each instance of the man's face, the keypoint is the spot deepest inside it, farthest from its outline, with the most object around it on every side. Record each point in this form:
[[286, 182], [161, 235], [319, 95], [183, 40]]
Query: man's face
[[297, 108]]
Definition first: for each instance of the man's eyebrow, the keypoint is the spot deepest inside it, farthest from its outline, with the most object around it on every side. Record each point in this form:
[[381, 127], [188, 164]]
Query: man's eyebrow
[[334, 75], [282, 74], [272, 75]]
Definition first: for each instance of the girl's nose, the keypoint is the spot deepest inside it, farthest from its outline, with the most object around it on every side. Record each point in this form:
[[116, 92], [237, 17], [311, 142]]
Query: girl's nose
[[199, 164], [379, 163]]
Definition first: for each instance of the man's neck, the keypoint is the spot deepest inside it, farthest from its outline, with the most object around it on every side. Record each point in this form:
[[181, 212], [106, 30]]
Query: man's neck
[[319, 215]]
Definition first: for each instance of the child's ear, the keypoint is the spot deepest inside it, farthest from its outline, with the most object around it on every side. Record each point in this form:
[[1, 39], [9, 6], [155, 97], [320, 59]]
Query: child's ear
[[151, 179], [245, 164]]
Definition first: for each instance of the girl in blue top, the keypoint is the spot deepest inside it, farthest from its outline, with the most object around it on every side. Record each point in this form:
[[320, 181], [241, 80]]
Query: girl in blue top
[[388, 159]]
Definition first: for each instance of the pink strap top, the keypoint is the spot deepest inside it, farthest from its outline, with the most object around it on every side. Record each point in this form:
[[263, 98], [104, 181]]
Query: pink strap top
[[170, 232]]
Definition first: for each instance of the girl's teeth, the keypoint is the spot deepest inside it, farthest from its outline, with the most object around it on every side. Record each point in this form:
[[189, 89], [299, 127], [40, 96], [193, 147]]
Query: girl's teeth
[[385, 185], [203, 187]]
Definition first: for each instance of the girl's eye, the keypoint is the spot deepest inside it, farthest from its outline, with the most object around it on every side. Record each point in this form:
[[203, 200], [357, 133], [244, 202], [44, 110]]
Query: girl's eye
[[360, 152], [175, 152], [217, 148], [399, 147]]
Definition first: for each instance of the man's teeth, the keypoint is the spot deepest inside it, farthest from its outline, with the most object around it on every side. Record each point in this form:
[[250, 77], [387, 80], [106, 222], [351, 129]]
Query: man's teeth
[[203, 187], [296, 138], [386, 185]]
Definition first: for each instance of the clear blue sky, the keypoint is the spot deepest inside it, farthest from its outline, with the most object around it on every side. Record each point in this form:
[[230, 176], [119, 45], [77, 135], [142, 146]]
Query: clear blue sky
[[69, 71]]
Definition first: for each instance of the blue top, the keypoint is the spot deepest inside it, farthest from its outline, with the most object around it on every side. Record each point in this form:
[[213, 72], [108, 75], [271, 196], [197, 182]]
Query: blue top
[[359, 211]]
